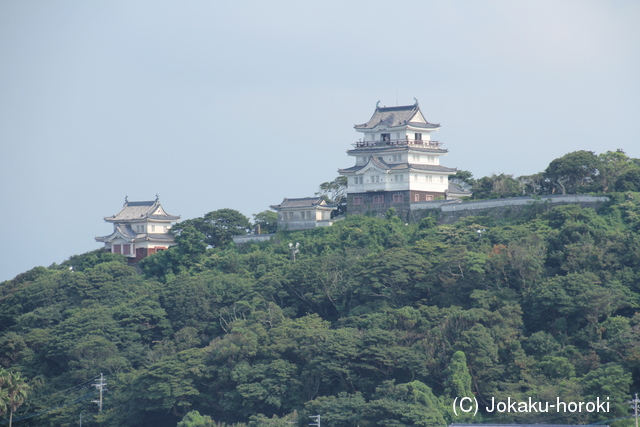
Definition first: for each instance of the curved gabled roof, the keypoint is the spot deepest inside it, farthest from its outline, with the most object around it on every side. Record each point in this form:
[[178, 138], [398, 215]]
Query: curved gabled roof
[[302, 202], [404, 115], [141, 210], [126, 233], [381, 164]]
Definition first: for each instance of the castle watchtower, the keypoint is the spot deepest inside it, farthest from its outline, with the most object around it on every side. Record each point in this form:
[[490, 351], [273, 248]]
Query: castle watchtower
[[139, 230], [397, 162]]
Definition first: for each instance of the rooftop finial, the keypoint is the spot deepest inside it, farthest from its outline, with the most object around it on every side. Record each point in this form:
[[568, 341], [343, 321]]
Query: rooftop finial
[[415, 99], [157, 197], [378, 104]]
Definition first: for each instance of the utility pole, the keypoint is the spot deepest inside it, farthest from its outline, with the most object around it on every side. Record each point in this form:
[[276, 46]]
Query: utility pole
[[634, 405], [316, 418], [101, 386]]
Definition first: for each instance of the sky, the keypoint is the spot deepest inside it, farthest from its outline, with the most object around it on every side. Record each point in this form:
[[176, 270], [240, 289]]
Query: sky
[[238, 104]]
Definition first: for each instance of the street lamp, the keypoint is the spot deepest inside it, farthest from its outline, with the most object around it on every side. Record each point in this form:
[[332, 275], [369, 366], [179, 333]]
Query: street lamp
[[294, 250]]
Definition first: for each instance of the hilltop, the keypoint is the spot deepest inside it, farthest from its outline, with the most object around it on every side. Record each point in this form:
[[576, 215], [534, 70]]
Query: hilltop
[[377, 322]]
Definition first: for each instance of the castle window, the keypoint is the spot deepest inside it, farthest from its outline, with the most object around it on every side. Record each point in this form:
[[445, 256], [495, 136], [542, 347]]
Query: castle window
[[397, 198], [386, 137], [358, 200], [126, 249], [428, 198], [378, 200], [418, 137], [116, 249], [416, 197]]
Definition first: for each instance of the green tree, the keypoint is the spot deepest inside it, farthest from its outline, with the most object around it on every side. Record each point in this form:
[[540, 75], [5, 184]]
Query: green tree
[[496, 187], [191, 243], [217, 226], [194, 419], [457, 378], [534, 184], [14, 390], [463, 179], [335, 193], [409, 404], [613, 164], [610, 381], [573, 172], [267, 220], [343, 410], [629, 180]]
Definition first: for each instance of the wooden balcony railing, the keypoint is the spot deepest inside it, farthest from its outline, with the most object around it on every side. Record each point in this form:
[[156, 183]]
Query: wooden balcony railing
[[394, 142]]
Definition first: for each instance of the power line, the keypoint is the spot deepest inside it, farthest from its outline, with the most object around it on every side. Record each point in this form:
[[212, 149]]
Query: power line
[[46, 411], [80, 386]]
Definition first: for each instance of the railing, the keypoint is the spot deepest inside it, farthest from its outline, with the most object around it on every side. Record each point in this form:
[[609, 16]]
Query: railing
[[392, 142]]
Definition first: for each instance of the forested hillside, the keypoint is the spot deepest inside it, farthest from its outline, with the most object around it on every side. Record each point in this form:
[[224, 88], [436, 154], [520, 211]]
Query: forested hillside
[[376, 323]]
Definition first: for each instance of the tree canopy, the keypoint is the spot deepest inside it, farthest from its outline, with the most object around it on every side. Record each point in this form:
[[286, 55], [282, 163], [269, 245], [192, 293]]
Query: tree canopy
[[376, 323]]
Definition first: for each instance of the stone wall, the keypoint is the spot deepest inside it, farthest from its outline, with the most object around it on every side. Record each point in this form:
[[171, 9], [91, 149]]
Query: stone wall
[[448, 212]]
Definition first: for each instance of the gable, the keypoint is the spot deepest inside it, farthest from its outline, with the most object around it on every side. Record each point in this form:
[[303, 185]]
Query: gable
[[418, 118]]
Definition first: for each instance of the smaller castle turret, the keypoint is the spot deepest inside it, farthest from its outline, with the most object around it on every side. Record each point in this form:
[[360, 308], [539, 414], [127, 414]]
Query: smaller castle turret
[[139, 230]]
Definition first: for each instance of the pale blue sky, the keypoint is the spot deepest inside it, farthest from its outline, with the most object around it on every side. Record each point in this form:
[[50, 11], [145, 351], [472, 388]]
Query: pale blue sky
[[215, 104]]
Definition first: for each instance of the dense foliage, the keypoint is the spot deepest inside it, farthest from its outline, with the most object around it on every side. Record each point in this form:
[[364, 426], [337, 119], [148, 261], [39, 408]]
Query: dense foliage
[[376, 323], [373, 323], [576, 172]]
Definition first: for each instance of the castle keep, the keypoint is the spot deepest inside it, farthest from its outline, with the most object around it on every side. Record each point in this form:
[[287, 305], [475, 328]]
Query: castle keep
[[397, 163]]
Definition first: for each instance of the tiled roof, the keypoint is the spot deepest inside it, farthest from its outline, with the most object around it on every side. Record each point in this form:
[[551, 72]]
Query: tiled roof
[[127, 232], [433, 168], [396, 116], [141, 210], [457, 190], [379, 162], [303, 202]]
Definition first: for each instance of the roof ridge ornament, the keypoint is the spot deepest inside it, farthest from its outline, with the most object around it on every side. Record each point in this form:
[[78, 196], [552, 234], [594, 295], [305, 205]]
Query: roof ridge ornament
[[415, 99], [157, 197], [126, 200], [378, 104]]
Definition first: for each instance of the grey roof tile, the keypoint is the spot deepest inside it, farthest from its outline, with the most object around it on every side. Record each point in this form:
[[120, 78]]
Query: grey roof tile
[[394, 117], [302, 202], [379, 162], [141, 210]]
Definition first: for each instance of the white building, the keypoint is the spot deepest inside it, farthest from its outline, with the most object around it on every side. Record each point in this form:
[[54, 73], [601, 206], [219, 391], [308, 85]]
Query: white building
[[303, 213], [139, 230], [397, 162]]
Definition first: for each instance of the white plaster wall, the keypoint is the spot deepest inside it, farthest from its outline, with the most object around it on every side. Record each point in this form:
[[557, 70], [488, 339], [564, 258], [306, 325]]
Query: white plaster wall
[[423, 184], [421, 158]]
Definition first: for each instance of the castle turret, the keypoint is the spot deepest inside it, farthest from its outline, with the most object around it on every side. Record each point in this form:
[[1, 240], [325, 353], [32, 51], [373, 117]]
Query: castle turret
[[139, 230], [397, 162]]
